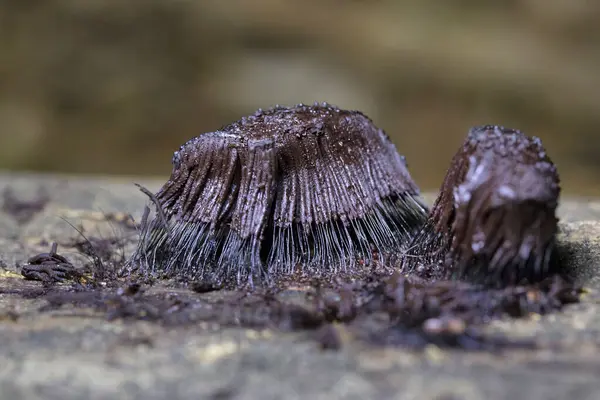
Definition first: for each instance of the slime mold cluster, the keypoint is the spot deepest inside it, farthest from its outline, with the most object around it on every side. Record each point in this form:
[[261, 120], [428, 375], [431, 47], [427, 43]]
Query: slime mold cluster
[[313, 189], [310, 189]]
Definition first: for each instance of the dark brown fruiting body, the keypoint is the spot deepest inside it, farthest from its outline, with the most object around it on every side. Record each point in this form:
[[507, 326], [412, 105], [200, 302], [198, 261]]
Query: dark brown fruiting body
[[313, 187], [494, 221], [50, 267]]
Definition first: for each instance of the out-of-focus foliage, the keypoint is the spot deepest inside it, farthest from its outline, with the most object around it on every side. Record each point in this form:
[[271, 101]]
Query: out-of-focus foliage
[[116, 86]]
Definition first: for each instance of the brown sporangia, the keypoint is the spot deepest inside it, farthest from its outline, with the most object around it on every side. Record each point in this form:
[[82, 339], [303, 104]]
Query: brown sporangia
[[50, 267], [312, 198], [310, 188], [494, 221]]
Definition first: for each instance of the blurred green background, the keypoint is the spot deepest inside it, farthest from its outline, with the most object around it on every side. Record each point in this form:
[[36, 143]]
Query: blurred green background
[[115, 86]]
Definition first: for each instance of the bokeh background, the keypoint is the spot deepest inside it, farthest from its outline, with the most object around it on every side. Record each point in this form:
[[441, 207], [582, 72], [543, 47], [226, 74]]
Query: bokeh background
[[114, 86]]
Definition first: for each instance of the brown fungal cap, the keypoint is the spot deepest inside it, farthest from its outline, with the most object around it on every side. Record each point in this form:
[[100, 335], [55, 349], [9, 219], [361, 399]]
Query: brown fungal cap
[[309, 186], [494, 220]]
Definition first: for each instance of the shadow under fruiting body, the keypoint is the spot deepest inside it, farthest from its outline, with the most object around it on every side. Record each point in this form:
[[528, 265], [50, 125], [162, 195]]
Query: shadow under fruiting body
[[309, 188], [494, 221]]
